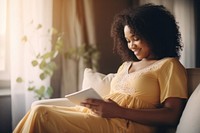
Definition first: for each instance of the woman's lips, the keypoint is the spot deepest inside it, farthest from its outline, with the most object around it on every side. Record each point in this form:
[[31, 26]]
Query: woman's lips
[[136, 51]]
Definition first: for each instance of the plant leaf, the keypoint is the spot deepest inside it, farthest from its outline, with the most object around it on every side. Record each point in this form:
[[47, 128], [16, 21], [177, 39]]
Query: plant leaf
[[24, 39], [49, 91], [55, 53], [39, 26], [31, 88], [53, 31], [48, 55], [34, 63], [42, 64], [40, 91], [42, 76], [59, 41], [52, 65], [19, 80]]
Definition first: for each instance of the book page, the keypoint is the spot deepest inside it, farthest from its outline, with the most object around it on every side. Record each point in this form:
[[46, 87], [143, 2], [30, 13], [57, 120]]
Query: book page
[[80, 96]]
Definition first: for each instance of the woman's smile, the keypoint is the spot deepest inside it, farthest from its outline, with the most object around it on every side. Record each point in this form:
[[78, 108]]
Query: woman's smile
[[136, 51], [139, 46]]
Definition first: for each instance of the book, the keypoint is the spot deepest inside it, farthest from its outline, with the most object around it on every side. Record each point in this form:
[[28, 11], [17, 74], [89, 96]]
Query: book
[[80, 96]]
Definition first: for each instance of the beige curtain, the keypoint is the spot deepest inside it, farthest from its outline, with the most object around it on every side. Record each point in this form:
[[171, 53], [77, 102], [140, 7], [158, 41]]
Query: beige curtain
[[184, 14], [75, 19]]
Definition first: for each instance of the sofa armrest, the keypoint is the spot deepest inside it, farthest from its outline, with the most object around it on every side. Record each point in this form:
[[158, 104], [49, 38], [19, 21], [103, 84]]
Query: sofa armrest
[[54, 101]]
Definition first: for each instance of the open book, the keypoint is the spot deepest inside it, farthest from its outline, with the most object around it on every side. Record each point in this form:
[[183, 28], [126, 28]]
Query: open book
[[80, 96]]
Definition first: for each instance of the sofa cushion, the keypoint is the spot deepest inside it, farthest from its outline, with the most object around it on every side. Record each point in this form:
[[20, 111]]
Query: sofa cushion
[[190, 119], [100, 82]]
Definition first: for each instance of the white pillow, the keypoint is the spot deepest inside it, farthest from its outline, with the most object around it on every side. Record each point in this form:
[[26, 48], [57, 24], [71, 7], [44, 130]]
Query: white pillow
[[100, 82], [190, 119]]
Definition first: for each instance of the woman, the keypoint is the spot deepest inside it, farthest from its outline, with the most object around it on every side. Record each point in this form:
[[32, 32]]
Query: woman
[[148, 91]]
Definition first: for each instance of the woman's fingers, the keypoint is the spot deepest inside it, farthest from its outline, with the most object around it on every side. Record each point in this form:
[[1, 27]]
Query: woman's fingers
[[94, 101], [92, 104]]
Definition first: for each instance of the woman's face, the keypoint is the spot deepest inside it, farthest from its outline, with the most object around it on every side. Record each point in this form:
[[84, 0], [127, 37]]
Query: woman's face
[[139, 46]]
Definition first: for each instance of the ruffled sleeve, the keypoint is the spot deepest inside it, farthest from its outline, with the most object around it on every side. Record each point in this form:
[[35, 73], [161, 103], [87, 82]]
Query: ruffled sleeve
[[172, 80]]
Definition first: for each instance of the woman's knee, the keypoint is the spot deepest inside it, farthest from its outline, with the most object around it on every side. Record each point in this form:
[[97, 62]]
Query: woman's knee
[[40, 110]]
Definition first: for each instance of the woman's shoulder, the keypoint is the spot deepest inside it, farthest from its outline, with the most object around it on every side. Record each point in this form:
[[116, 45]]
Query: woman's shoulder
[[170, 60], [170, 63]]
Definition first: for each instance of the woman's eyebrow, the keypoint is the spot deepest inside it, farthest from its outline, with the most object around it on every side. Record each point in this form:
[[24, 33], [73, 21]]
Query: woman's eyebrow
[[133, 35]]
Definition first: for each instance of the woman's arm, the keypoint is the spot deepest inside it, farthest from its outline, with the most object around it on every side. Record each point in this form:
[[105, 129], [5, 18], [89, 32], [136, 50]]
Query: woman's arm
[[168, 114]]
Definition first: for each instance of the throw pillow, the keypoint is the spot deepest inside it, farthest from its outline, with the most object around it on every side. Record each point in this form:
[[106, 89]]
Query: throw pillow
[[190, 119], [99, 81]]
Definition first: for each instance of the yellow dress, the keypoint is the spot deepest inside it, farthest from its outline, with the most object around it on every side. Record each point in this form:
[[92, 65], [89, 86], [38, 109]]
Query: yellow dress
[[146, 88]]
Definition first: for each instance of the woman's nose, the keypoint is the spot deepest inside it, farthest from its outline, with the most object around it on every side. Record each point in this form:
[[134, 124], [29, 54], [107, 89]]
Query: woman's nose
[[132, 45]]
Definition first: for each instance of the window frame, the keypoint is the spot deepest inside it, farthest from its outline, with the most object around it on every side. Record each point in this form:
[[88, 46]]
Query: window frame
[[5, 74]]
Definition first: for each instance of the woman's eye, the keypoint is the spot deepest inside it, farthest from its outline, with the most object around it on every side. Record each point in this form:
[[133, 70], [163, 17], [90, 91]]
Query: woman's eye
[[128, 41], [136, 38]]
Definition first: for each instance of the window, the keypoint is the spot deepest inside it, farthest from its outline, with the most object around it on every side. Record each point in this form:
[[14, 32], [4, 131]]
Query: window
[[4, 47]]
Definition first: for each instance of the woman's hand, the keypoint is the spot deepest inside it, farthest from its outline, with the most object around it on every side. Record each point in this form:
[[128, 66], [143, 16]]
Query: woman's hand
[[106, 109]]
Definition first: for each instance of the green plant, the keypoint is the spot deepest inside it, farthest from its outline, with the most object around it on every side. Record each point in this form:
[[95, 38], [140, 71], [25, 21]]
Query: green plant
[[44, 61], [89, 53]]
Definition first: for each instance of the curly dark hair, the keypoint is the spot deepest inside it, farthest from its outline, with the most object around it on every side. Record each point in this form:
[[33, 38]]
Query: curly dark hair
[[153, 23]]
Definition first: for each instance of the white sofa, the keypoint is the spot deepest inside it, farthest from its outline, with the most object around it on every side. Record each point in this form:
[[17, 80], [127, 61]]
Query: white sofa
[[190, 119]]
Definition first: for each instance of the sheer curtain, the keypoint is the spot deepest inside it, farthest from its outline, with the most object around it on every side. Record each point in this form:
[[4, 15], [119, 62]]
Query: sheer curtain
[[73, 17], [184, 14], [23, 17]]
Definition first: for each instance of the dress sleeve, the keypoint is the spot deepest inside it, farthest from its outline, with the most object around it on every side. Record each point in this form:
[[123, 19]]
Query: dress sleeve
[[172, 80]]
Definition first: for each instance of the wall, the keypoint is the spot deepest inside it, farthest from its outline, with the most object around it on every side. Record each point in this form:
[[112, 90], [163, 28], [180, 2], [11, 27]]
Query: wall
[[5, 114], [197, 24], [104, 11]]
